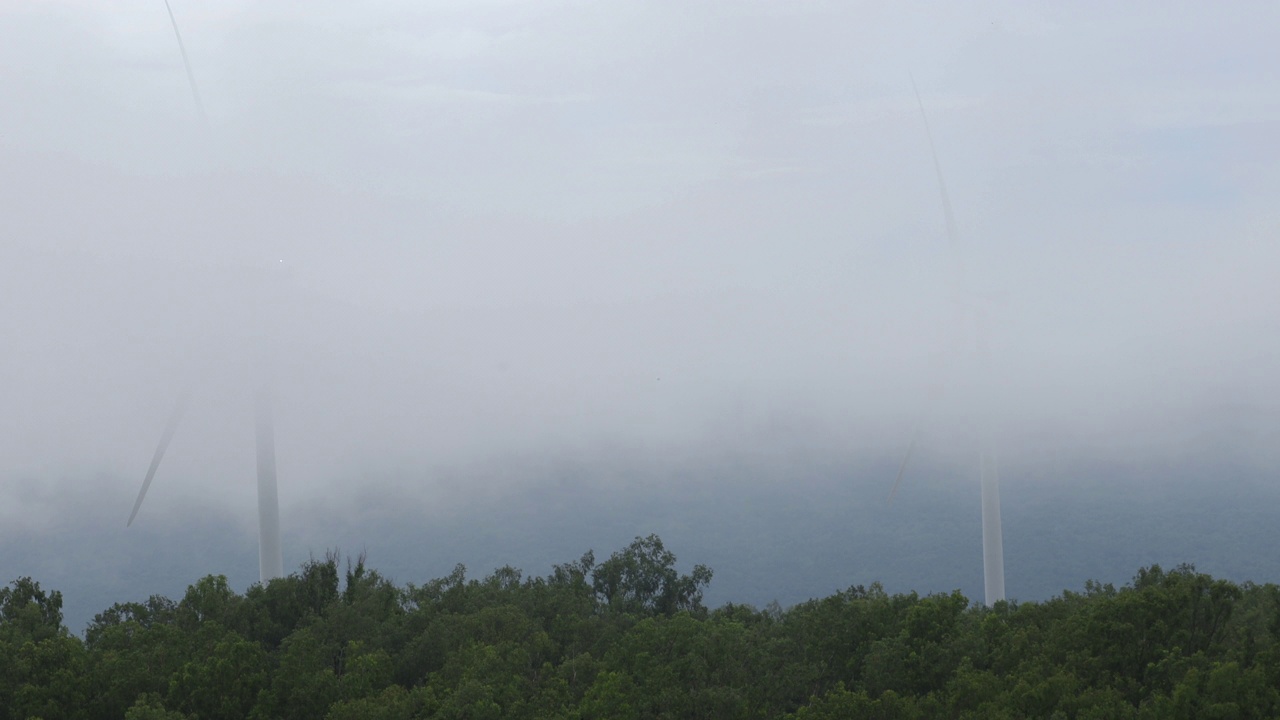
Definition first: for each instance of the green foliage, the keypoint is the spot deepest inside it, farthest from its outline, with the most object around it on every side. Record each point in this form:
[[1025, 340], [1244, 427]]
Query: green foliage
[[41, 665], [643, 579], [630, 638], [27, 611], [273, 611], [149, 707], [222, 681], [393, 703], [841, 703]]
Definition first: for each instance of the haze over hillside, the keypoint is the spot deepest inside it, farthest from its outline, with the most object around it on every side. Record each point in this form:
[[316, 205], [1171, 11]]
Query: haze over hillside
[[764, 541]]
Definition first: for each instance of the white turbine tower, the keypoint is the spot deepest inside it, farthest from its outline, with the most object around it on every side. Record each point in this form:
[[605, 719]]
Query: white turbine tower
[[973, 317], [270, 559]]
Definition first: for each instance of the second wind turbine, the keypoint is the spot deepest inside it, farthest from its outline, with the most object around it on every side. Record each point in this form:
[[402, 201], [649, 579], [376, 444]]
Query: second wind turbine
[[972, 316], [270, 557]]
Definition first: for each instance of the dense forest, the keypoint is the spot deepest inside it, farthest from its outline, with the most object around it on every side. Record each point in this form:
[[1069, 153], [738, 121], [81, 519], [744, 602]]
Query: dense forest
[[629, 637]]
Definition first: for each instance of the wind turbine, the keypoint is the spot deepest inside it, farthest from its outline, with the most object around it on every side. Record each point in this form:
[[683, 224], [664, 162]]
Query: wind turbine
[[270, 559], [972, 315]]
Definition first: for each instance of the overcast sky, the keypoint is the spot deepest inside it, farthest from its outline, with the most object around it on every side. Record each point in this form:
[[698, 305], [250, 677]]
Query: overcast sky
[[485, 232]]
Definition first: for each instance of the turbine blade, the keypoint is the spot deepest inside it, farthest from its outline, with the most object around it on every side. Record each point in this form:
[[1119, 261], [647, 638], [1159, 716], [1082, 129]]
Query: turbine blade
[[169, 429], [937, 167], [953, 246], [186, 64], [902, 468], [936, 391]]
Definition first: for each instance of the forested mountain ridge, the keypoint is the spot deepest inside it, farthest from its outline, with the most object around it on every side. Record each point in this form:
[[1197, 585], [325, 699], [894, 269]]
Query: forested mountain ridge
[[630, 637]]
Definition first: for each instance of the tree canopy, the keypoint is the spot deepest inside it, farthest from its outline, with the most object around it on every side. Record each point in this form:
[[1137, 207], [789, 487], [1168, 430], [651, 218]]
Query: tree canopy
[[629, 637]]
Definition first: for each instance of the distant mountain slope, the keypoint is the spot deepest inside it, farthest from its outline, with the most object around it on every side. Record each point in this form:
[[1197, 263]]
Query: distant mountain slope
[[774, 537]]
